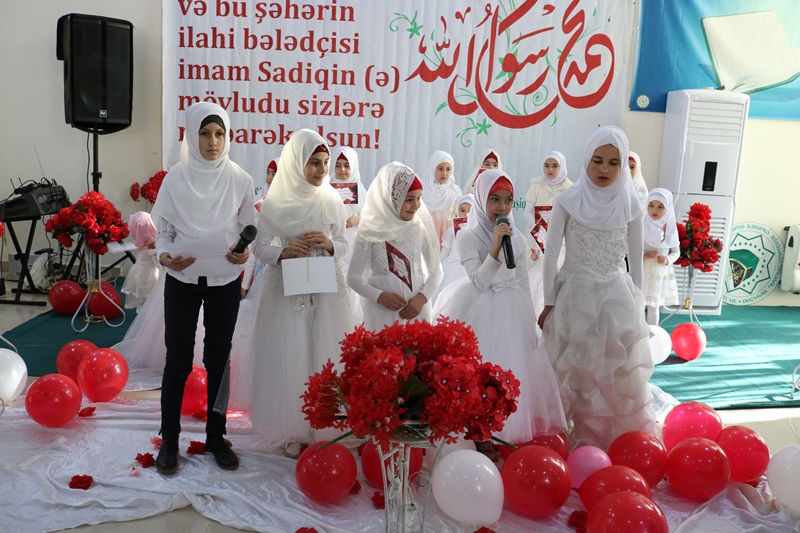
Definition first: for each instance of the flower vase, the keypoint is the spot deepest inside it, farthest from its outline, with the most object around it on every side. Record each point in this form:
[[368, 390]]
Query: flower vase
[[403, 512], [691, 279]]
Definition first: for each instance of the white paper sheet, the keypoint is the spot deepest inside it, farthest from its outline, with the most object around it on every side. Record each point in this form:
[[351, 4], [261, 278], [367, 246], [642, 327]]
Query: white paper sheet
[[309, 275], [120, 247], [209, 254]]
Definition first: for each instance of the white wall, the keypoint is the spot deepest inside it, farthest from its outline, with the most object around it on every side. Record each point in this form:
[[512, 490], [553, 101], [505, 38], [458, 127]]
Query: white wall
[[32, 95]]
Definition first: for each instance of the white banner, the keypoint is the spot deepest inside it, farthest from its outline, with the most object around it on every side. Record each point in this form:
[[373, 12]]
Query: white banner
[[399, 80]]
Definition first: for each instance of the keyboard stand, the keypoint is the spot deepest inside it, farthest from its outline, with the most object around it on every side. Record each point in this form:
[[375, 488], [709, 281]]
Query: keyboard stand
[[25, 273]]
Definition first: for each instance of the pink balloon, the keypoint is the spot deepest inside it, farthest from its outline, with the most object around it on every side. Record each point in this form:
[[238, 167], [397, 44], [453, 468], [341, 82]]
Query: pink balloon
[[585, 461], [688, 341], [690, 420]]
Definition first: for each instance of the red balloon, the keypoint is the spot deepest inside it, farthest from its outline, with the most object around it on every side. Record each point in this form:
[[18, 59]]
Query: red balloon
[[99, 305], [53, 400], [103, 374], [690, 420], [642, 452], [71, 355], [556, 441], [748, 453], [195, 392], [627, 512], [688, 341], [536, 481], [611, 479], [326, 475], [698, 468], [371, 463], [66, 297]]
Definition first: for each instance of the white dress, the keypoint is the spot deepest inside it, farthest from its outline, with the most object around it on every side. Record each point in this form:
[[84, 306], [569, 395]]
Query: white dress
[[496, 303], [452, 269], [289, 338], [659, 285], [369, 275], [596, 335], [141, 278]]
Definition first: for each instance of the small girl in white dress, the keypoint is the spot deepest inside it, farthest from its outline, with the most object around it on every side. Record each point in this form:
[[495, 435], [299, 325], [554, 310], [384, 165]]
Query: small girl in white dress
[[294, 336], [593, 322], [395, 243], [440, 192], [452, 269], [489, 159], [496, 302], [661, 249], [345, 177], [144, 273], [538, 206]]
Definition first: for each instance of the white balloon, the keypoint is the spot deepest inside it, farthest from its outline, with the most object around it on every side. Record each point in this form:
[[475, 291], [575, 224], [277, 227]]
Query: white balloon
[[13, 375], [468, 487], [460, 444], [660, 344], [783, 475]]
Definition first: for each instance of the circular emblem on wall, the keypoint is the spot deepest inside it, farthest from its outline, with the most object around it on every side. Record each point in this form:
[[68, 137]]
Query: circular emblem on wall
[[755, 258], [642, 101]]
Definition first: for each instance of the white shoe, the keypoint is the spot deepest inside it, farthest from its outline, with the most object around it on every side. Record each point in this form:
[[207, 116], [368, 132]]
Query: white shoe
[[292, 450]]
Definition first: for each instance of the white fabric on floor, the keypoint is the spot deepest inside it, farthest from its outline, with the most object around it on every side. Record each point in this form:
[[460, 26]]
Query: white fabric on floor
[[37, 464]]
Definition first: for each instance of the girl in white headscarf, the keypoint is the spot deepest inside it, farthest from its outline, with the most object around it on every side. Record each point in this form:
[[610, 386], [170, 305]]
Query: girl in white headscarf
[[496, 302], [593, 321], [345, 177], [396, 243], [488, 159], [538, 204], [635, 166], [452, 269], [661, 249], [440, 192], [295, 335]]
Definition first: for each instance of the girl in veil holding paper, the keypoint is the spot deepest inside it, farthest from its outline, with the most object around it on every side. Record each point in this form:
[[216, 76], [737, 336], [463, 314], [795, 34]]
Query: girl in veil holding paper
[[395, 243], [345, 177], [296, 334]]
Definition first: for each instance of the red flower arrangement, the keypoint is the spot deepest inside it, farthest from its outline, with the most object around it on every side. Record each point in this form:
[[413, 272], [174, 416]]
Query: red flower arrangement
[[94, 217], [698, 248], [148, 191], [429, 373]]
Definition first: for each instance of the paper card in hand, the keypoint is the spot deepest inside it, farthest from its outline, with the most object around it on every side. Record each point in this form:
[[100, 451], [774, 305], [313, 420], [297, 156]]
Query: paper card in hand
[[399, 265], [541, 215], [348, 191]]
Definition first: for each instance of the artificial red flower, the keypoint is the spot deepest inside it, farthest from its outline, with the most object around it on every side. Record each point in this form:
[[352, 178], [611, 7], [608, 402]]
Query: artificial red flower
[[94, 217], [146, 460], [156, 442], [149, 190], [698, 248], [578, 519], [135, 191], [356, 488], [81, 482], [87, 411], [196, 447], [378, 500]]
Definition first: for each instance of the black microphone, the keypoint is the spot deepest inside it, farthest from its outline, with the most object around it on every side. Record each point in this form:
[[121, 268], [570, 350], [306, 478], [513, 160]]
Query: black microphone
[[508, 251], [247, 236]]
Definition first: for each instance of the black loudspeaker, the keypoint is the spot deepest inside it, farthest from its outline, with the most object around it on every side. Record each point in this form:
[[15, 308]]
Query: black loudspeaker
[[98, 71]]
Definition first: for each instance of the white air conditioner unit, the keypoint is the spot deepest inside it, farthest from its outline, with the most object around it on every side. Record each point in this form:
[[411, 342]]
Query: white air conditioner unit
[[701, 155]]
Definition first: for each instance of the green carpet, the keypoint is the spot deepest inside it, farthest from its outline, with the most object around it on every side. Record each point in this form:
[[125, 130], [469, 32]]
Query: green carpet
[[748, 360], [40, 338]]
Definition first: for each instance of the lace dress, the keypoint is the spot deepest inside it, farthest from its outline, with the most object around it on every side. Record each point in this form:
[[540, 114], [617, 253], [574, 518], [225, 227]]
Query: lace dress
[[286, 339], [659, 285], [496, 303], [596, 335], [141, 278], [452, 269], [372, 260]]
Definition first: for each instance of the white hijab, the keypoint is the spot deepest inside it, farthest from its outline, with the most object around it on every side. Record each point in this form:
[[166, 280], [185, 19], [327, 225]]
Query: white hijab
[[638, 180], [355, 173], [466, 199], [439, 196], [661, 233], [562, 168], [201, 197], [380, 218], [470, 184], [478, 221], [293, 205], [603, 208]]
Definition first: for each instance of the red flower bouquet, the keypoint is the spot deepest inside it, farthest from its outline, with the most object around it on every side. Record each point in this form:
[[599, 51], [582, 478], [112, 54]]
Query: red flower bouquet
[[431, 374], [94, 217], [148, 191], [698, 248]]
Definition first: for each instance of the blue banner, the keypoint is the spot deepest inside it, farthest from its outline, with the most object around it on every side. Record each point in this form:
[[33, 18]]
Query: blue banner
[[746, 46]]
